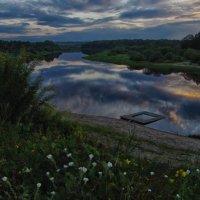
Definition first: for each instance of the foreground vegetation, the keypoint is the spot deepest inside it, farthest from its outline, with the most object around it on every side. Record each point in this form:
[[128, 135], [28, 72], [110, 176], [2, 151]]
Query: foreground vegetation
[[43, 155], [67, 163]]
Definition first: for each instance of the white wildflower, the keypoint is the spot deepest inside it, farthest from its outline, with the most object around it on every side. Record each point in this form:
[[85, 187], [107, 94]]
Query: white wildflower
[[70, 164], [152, 173], [188, 172], [197, 170], [83, 169], [85, 180], [69, 155], [53, 193], [100, 173], [51, 179], [65, 166], [91, 156], [39, 185], [149, 190], [65, 150], [50, 157], [27, 170], [94, 164], [125, 173], [47, 173], [178, 196], [165, 176], [58, 170], [109, 165], [5, 179]]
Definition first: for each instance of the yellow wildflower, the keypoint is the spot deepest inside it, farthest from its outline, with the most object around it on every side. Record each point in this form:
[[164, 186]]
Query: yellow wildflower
[[127, 161], [181, 172], [171, 180]]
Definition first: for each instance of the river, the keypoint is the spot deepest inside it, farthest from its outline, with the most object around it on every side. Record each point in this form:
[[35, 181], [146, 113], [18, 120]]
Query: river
[[97, 88]]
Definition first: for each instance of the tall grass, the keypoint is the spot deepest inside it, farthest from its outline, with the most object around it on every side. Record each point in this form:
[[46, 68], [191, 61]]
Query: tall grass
[[67, 165]]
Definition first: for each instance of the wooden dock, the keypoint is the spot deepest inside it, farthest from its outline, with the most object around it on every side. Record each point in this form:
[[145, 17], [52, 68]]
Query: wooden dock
[[142, 118]]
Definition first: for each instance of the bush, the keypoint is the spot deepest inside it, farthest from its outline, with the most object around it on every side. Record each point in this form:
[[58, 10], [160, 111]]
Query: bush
[[173, 57], [156, 56], [137, 56], [21, 97], [192, 55]]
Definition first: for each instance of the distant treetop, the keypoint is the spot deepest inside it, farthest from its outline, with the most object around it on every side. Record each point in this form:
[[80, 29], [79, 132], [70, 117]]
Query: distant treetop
[[191, 41]]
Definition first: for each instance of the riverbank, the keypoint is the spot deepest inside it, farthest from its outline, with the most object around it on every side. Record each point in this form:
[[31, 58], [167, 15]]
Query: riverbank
[[151, 143], [164, 68], [98, 156]]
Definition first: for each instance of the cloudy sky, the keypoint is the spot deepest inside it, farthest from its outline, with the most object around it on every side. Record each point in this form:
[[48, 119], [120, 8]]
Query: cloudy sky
[[82, 20]]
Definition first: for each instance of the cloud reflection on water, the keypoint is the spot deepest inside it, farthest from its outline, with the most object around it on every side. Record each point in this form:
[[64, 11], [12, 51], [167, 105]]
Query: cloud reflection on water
[[112, 90]]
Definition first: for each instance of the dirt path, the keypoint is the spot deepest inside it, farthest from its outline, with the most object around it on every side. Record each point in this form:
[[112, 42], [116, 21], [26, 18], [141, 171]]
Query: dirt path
[[153, 143]]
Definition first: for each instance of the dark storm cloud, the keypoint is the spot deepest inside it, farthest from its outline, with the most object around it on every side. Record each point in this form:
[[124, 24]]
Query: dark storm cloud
[[57, 21], [41, 17], [17, 29], [79, 4], [147, 13]]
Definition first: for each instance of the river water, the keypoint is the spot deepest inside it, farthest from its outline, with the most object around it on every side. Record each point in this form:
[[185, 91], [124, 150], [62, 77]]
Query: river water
[[112, 90]]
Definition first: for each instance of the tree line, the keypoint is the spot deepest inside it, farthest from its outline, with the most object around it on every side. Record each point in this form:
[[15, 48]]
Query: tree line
[[187, 49], [34, 50]]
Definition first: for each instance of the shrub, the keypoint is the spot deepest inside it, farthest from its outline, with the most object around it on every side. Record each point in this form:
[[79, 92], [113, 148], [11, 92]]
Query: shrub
[[137, 56], [21, 96], [156, 56], [192, 55]]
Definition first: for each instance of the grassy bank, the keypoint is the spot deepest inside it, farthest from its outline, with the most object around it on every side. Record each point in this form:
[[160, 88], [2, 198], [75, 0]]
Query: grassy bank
[[124, 59], [76, 161]]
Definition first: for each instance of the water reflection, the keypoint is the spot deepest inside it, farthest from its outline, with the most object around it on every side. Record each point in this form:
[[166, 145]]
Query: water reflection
[[112, 90]]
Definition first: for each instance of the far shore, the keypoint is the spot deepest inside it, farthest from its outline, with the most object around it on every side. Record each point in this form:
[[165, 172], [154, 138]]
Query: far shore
[[164, 68]]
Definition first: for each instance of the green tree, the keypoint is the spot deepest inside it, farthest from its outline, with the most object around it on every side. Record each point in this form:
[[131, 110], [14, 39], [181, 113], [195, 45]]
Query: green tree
[[192, 55], [137, 56], [156, 56]]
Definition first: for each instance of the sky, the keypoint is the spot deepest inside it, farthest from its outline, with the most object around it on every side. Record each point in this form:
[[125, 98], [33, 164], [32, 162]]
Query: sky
[[86, 20]]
